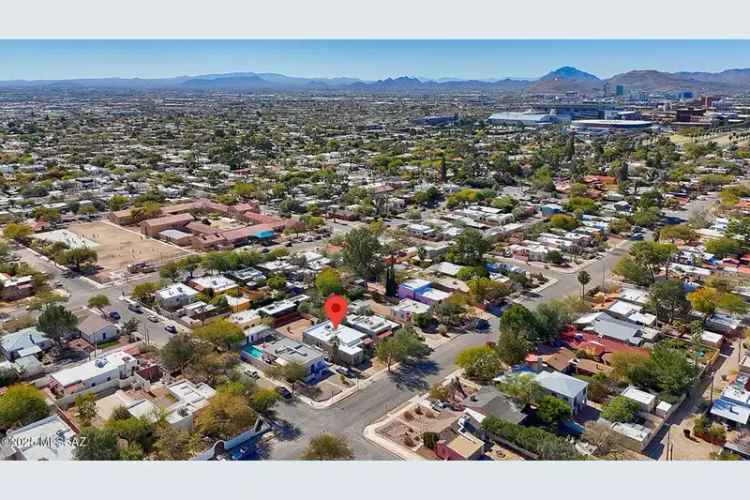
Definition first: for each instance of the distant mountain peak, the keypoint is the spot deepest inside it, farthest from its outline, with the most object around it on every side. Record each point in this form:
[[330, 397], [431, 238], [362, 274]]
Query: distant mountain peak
[[569, 73]]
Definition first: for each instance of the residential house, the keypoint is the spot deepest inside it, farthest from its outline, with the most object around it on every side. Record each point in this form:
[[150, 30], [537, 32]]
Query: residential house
[[570, 389], [48, 439], [96, 329], [94, 376], [176, 296], [26, 342], [350, 342]]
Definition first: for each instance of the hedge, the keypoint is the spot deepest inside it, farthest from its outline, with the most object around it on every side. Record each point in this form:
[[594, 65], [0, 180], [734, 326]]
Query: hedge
[[544, 444]]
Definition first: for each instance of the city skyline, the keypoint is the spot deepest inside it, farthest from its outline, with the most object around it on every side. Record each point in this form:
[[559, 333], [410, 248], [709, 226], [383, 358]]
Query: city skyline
[[361, 59]]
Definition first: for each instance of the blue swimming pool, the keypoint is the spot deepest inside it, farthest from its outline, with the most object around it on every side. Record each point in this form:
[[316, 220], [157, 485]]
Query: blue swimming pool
[[253, 351]]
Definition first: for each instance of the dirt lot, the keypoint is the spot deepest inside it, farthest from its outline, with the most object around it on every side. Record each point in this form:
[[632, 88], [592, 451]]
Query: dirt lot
[[119, 247]]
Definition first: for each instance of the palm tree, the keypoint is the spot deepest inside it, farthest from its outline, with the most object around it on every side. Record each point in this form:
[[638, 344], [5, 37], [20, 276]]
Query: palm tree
[[583, 279]]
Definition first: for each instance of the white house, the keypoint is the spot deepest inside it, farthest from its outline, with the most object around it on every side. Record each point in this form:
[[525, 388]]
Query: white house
[[175, 296], [95, 376], [407, 308], [96, 329], [48, 439]]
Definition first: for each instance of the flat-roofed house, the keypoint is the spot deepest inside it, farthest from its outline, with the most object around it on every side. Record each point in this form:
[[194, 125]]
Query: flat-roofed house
[[48, 439], [97, 375], [176, 296]]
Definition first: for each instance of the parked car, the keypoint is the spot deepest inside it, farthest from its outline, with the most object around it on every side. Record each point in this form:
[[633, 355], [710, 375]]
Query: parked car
[[283, 392], [114, 316], [439, 405], [347, 372], [136, 308], [170, 328], [153, 318], [288, 244]]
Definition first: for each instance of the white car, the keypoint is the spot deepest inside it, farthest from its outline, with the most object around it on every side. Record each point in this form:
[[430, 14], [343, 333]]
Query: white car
[[153, 318]]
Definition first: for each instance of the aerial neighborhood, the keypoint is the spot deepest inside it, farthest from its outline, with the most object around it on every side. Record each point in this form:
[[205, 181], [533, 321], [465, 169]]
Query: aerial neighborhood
[[554, 271]]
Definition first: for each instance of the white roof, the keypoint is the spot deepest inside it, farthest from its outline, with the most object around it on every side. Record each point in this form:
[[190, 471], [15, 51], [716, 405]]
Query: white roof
[[711, 337], [99, 366], [370, 324], [562, 384], [436, 295], [624, 308], [348, 337], [47, 439], [217, 281], [176, 290], [411, 306], [639, 396], [730, 411]]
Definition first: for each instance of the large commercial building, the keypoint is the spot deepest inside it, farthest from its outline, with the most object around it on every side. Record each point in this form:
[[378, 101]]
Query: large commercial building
[[525, 119], [610, 126]]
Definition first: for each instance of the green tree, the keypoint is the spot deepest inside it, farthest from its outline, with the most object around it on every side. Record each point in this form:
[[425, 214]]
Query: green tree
[[276, 282], [469, 248], [86, 406], [174, 444], [724, 247], [225, 416], [553, 411], [221, 333], [583, 279], [327, 282], [512, 346], [117, 202], [518, 318], [327, 447], [144, 292], [678, 232], [21, 405], [480, 363], [562, 221], [98, 302], [362, 252], [170, 271], [487, 291], [293, 373], [76, 258], [263, 400], [552, 318], [667, 298], [400, 347], [18, 232], [653, 256], [97, 444], [633, 272], [179, 352], [621, 409], [56, 322], [522, 388]]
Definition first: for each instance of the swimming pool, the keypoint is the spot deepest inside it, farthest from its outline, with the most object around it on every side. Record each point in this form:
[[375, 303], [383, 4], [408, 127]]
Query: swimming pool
[[253, 351]]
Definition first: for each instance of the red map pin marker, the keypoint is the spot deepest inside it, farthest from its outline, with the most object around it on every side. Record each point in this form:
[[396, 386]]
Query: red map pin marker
[[335, 308]]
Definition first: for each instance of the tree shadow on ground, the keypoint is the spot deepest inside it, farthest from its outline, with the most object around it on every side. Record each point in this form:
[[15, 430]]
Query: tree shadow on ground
[[412, 376], [286, 431]]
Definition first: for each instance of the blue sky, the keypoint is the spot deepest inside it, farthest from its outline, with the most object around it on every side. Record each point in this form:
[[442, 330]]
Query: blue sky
[[367, 59]]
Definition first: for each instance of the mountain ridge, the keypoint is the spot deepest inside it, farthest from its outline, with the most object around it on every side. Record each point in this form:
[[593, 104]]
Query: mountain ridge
[[563, 79]]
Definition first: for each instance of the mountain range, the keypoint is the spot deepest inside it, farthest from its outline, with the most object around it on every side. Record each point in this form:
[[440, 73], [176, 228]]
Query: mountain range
[[564, 79]]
